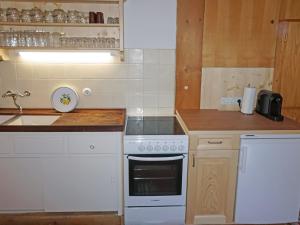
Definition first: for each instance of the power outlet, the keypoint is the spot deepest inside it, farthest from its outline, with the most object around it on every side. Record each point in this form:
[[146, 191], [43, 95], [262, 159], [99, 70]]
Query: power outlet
[[230, 100]]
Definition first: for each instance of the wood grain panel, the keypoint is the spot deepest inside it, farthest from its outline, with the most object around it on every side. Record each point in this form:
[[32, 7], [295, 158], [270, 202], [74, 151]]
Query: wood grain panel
[[290, 9], [230, 82], [240, 33], [189, 53], [287, 68], [211, 185]]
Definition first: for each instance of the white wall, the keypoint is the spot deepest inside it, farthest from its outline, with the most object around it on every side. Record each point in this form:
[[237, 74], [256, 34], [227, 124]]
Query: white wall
[[150, 24]]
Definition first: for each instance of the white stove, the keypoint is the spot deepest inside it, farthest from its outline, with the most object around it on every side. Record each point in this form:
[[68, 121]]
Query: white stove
[[155, 171]]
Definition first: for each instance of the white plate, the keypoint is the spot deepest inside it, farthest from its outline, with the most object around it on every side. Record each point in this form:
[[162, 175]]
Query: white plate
[[64, 99]]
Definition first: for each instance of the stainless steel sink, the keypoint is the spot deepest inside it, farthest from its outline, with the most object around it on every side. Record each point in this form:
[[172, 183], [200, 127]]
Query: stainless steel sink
[[4, 118], [32, 120]]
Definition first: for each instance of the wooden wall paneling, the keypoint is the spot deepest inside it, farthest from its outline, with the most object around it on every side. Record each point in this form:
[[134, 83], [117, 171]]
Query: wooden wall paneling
[[287, 68], [230, 82], [290, 9], [240, 33], [189, 53]]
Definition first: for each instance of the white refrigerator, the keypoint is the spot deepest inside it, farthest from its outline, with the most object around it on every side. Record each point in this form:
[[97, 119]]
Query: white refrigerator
[[268, 186]]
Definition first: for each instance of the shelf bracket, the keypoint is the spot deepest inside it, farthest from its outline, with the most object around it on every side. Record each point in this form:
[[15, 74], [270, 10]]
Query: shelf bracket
[[3, 55], [122, 56]]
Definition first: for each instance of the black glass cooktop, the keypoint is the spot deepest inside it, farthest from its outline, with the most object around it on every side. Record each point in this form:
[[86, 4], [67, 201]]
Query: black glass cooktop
[[150, 125]]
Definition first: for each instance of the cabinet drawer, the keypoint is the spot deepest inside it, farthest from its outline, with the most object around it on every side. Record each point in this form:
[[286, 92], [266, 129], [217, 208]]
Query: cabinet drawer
[[214, 142], [94, 143], [39, 144], [6, 144]]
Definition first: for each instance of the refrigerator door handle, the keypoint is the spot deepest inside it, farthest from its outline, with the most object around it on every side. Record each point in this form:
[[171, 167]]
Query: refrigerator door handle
[[243, 159]]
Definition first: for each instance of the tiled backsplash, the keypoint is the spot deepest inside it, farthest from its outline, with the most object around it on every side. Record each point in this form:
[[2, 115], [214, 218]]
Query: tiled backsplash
[[144, 83]]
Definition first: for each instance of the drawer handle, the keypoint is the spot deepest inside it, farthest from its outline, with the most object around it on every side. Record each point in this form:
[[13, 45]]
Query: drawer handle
[[92, 147], [215, 142]]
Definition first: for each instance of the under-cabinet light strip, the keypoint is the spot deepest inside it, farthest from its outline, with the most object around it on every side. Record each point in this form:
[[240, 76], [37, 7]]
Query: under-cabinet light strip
[[67, 57]]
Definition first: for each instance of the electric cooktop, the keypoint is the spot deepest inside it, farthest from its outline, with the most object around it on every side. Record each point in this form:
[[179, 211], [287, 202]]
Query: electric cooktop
[[151, 125]]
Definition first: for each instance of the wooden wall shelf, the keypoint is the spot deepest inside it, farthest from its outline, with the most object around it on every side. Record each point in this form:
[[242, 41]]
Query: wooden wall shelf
[[60, 49], [114, 30], [73, 1], [58, 24]]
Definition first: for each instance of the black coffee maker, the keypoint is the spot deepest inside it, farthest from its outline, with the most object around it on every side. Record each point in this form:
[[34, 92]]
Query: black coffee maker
[[269, 105]]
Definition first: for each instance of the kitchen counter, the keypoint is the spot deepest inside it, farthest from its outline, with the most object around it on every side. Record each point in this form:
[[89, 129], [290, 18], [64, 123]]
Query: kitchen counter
[[214, 120], [80, 120]]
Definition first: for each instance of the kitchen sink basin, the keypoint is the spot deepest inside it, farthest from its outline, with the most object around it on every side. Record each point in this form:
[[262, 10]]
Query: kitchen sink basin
[[37, 120], [4, 118]]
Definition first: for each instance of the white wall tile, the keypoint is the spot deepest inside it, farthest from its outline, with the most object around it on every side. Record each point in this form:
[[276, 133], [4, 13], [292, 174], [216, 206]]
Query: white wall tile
[[135, 56], [24, 71], [144, 83], [167, 57], [150, 100], [151, 56]]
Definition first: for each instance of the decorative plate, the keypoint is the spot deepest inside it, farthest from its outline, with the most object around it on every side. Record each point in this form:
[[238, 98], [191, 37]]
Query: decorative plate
[[64, 99]]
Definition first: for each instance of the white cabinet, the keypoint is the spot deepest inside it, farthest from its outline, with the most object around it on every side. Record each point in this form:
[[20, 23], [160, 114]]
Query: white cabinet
[[85, 183], [21, 187], [60, 172]]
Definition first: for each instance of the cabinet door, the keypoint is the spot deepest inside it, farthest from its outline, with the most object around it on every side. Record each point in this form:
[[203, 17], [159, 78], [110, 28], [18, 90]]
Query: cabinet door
[[287, 68], [21, 187], [85, 183], [211, 186]]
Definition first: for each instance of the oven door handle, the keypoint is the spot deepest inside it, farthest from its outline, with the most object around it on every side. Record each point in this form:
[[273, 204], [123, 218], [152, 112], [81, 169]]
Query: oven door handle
[[156, 159]]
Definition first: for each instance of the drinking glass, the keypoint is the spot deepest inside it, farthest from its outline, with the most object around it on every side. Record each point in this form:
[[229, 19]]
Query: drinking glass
[[26, 16], [2, 15], [12, 15], [59, 16], [37, 15], [72, 16], [49, 16], [28, 38], [22, 39], [2, 38]]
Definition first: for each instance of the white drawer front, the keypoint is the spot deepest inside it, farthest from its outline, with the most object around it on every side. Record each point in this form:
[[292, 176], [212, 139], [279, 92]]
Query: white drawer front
[[39, 144], [6, 144], [94, 143]]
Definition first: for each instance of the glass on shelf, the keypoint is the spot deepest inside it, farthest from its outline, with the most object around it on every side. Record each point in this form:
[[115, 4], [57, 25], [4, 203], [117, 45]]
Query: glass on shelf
[[12, 15], [37, 15], [2, 15], [48, 16], [60, 16], [26, 16]]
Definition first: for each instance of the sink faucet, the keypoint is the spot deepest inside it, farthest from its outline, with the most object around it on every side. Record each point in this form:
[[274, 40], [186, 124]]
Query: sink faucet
[[14, 96]]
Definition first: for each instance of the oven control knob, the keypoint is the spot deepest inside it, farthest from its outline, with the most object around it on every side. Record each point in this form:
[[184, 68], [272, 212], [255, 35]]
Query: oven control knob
[[157, 148], [149, 148], [141, 148], [180, 148], [173, 148], [165, 148]]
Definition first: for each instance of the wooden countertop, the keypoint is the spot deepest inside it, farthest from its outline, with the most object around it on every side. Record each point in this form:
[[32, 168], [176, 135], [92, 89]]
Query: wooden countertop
[[80, 120], [214, 120]]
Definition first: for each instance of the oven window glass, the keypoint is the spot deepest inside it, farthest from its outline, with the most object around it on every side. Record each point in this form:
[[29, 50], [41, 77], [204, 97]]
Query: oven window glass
[[155, 178]]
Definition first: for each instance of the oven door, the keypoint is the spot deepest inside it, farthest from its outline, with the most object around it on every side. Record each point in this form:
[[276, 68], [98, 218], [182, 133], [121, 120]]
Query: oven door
[[155, 180]]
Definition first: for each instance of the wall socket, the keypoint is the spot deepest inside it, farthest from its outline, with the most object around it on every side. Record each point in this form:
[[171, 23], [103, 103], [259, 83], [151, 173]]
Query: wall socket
[[230, 100]]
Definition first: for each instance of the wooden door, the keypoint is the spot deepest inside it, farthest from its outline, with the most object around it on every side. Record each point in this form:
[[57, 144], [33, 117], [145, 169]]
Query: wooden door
[[287, 68], [211, 186]]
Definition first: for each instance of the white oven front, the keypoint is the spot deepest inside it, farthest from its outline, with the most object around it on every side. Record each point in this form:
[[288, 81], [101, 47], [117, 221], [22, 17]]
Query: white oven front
[[155, 180]]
